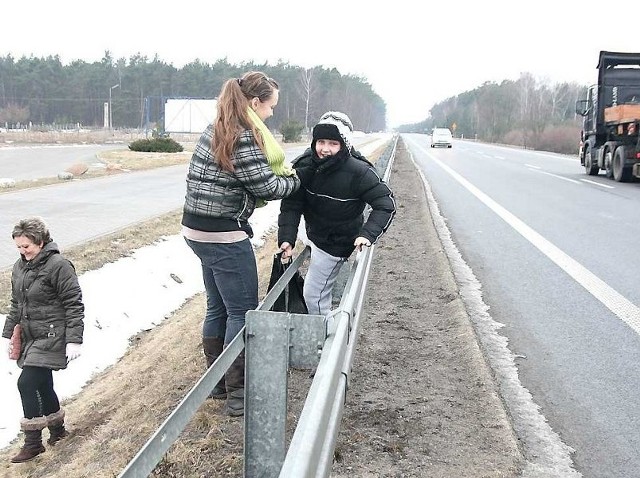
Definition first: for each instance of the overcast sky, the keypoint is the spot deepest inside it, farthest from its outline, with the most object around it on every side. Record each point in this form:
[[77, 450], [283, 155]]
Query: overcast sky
[[413, 53]]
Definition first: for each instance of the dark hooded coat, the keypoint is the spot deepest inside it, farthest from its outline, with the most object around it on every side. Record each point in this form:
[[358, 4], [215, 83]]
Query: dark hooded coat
[[47, 302]]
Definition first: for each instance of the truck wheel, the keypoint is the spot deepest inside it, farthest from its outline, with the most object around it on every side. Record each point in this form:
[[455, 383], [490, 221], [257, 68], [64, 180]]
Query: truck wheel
[[621, 173], [590, 168], [608, 164]]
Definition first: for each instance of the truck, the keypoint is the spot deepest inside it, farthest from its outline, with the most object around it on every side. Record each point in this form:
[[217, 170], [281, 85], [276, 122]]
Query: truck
[[610, 137]]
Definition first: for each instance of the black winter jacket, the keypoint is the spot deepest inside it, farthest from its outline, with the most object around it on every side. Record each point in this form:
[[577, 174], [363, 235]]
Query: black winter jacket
[[332, 198], [47, 301]]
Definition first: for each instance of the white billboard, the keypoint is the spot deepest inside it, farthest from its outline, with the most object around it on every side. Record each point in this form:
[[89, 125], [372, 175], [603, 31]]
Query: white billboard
[[188, 115]]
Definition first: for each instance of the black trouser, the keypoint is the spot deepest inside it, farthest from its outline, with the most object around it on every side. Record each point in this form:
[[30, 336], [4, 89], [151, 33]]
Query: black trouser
[[36, 391]]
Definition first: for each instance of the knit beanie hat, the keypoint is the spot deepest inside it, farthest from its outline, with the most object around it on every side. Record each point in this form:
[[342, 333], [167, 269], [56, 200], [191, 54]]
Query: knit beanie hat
[[334, 125]]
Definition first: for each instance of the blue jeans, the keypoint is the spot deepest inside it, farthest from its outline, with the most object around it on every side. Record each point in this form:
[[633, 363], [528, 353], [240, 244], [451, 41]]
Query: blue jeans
[[231, 281]]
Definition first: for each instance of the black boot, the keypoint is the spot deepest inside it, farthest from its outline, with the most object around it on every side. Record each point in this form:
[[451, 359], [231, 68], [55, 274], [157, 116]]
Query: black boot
[[57, 431], [234, 406], [212, 347], [32, 428]]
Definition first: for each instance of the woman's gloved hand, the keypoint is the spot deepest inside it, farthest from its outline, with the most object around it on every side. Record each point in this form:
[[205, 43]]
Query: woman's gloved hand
[[73, 351], [6, 345]]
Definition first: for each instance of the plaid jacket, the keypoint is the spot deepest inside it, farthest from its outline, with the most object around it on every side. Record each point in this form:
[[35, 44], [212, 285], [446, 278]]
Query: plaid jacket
[[217, 200]]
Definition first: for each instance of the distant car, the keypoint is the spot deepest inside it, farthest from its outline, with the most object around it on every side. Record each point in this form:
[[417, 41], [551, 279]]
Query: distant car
[[441, 137]]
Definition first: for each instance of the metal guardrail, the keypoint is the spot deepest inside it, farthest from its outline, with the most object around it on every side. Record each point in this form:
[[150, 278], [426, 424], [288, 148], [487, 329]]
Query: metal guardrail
[[287, 339]]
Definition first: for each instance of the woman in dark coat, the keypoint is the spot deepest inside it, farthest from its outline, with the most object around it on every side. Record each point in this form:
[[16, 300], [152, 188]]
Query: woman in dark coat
[[46, 301]]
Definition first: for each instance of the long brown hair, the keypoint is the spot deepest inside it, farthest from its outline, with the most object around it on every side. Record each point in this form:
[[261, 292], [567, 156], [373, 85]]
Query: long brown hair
[[232, 117]]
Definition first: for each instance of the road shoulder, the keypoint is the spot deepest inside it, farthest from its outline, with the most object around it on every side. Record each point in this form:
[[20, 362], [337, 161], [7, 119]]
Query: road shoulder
[[422, 400]]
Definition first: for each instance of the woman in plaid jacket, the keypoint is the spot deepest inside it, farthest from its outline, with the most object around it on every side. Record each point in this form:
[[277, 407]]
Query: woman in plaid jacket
[[236, 166]]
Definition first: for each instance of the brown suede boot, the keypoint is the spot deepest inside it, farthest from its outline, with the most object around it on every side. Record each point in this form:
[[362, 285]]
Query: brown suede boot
[[57, 431], [234, 406], [32, 428], [212, 347]]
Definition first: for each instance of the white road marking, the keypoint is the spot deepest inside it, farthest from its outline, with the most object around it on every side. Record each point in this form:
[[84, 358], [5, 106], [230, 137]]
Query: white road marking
[[598, 184], [556, 176], [557, 156]]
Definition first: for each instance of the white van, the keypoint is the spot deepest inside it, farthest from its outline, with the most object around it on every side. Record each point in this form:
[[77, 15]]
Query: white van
[[441, 137]]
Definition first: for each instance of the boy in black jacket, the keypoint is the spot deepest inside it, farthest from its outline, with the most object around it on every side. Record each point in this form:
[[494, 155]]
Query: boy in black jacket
[[337, 183]]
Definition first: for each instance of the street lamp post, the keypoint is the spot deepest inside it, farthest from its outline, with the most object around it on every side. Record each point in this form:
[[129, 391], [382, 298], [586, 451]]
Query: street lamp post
[[110, 114]]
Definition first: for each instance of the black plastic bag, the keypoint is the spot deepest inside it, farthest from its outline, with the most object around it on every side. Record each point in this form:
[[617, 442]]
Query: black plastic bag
[[291, 300]]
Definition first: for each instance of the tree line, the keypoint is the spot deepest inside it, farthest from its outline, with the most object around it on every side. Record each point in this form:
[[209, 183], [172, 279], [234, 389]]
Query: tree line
[[44, 91], [525, 112]]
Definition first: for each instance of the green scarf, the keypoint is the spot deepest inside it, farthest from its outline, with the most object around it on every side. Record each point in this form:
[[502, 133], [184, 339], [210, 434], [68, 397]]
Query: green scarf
[[273, 150]]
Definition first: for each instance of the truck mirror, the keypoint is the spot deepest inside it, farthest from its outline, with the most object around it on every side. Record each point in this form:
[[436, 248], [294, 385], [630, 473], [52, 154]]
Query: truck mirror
[[582, 107]]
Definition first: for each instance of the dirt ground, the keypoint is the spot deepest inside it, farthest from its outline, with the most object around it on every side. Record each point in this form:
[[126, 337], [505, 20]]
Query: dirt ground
[[421, 403]]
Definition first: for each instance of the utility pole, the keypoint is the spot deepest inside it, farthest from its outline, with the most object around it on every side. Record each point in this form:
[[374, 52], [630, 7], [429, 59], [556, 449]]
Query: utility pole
[[110, 114]]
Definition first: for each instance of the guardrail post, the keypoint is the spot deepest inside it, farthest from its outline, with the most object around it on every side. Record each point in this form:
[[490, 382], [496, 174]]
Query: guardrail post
[[274, 340], [267, 358]]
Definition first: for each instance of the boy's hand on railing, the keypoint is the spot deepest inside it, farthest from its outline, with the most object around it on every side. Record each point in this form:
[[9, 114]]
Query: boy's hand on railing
[[361, 241], [287, 251]]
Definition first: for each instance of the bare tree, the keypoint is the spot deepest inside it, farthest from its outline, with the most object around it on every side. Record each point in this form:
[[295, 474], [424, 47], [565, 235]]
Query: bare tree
[[306, 83], [527, 84]]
